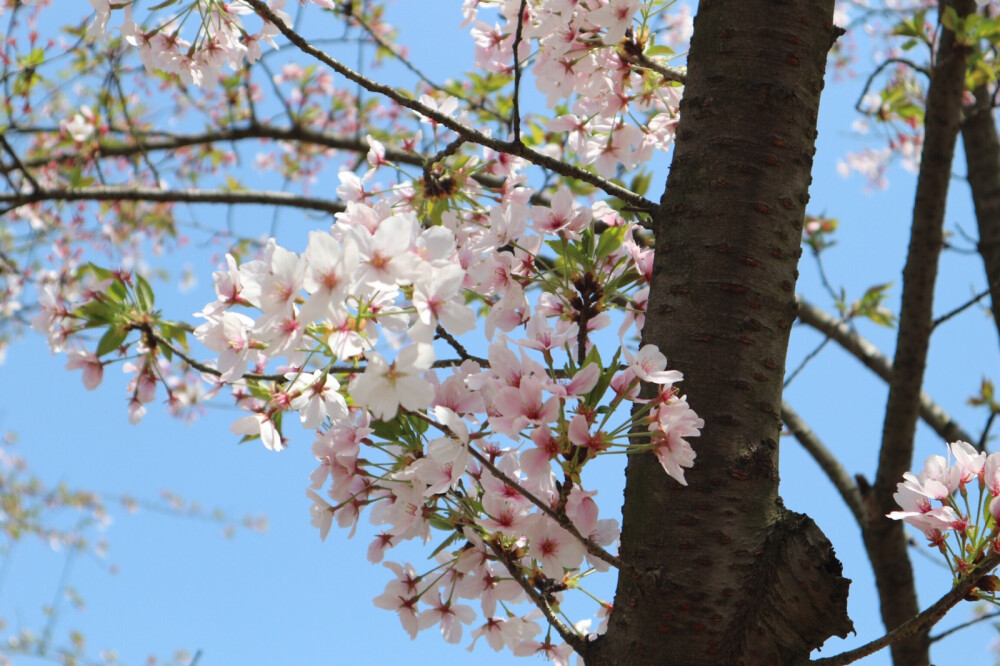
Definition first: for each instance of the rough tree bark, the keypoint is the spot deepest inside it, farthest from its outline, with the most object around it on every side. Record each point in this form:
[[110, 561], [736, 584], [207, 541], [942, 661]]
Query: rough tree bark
[[982, 159], [726, 574]]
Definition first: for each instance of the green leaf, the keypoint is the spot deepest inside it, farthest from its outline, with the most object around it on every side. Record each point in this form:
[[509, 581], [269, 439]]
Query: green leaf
[[444, 544], [111, 340], [950, 18], [611, 239], [387, 430], [640, 182], [117, 291], [659, 49], [144, 293], [173, 332], [96, 313], [100, 273]]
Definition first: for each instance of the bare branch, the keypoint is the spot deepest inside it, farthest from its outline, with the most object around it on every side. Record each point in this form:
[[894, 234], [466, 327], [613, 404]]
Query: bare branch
[[155, 141], [878, 70], [826, 460], [18, 165], [886, 542], [458, 347], [150, 142], [961, 308], [965, 625], [388, 48]]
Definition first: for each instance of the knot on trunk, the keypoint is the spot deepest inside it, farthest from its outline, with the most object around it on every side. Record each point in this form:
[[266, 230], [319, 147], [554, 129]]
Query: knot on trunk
[[795, 596]]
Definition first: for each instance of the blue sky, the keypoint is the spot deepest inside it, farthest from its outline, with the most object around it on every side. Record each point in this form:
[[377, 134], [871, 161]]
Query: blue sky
[[284, 597]]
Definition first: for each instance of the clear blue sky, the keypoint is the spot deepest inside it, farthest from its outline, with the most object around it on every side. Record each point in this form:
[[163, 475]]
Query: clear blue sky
[[285, 597]]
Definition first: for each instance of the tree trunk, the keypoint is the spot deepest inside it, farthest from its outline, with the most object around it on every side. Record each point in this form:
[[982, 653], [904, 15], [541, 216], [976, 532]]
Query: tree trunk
[[982, 159], [727, 574]]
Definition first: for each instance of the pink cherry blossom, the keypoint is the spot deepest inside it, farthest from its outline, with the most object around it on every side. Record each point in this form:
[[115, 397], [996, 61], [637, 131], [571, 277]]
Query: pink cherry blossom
[[674, 421], [93, 367], [401, 595], [555, 549], [385, 387]]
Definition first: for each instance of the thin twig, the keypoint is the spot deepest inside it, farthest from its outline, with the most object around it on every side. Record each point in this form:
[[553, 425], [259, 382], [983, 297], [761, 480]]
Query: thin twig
[[965, 625], [981, 444], [458, 347], [403, 60], [516, 120], [809, 357], [961, 308], [881, 68], [19, 165], [129, 123]]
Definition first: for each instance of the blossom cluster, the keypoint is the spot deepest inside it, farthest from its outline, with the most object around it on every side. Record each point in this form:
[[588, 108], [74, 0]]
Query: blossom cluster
[[488, 451], [588, 55], [221, 38], [441, 337], [358, 336], [955, 502]]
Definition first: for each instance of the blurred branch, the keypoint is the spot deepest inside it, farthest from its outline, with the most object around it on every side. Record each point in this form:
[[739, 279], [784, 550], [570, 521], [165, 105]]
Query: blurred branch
[[982, 159], [124, 193], [965, 625]]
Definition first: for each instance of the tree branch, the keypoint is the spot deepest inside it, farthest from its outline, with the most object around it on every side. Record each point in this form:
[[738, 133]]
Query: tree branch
[[965, 625], [982, 159], [18, 165], [933, 414], [122, 193], [645, 62], [467, 133], [826, 460], [149, 142], [920, 623], [388, 47], [516, 111]]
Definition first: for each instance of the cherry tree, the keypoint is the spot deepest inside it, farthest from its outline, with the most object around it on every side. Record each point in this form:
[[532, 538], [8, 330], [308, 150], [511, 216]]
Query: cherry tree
[[493, 296]]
